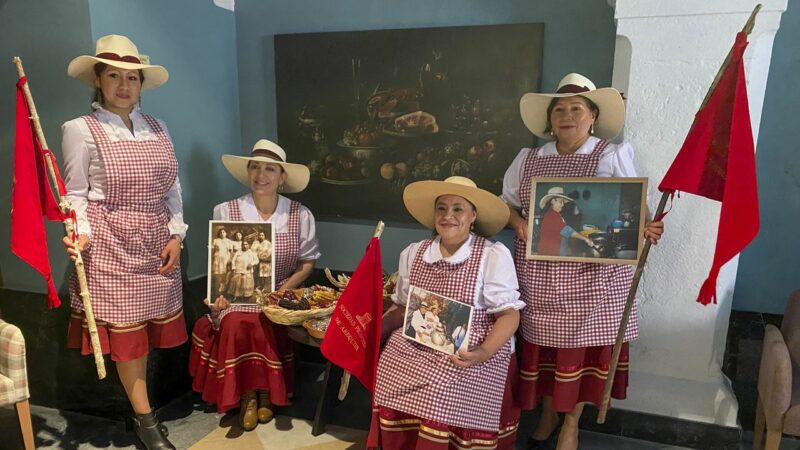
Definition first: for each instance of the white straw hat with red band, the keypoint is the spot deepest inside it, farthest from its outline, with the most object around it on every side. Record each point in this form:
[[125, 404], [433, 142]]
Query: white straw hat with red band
[[117, 51], [609, 123], [297, 175]]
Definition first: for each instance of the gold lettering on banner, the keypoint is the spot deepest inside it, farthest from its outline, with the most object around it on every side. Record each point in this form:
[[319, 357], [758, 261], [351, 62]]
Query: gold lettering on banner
[[347, 334]]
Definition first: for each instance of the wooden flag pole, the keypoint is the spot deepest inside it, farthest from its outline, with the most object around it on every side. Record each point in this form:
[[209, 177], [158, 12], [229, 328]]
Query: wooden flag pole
[[69, 226], [623, 325], [346, 377]]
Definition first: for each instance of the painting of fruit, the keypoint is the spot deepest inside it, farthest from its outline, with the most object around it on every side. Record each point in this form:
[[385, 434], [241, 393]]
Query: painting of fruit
[[371, 111]]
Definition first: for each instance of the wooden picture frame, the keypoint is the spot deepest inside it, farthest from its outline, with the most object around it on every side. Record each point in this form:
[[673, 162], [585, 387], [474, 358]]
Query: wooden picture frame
[[595, 219], [235, 274]]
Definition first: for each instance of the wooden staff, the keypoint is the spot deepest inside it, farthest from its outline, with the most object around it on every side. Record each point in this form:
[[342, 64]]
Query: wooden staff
[[346, 377], [69, 225], [623, 325]]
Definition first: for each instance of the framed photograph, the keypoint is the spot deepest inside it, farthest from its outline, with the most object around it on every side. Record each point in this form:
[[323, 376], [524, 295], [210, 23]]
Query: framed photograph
[[599, 220], [437, 322], [240, 260], [372, 111]]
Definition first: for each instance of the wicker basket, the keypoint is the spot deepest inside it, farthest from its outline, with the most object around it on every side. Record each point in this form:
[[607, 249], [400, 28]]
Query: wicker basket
[[313, 332], [283, 316]]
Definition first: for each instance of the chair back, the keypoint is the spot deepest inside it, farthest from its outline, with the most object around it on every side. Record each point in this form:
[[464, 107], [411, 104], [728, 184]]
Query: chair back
[[12, 365], [790, 327]]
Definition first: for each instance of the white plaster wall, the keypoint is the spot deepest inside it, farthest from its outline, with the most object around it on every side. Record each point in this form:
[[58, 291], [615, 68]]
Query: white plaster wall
[[668, 55]]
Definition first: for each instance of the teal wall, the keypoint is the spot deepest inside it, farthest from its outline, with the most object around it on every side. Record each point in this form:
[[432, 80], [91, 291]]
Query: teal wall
[[768, 269], [196, 42], [579, 36], [46, 34]]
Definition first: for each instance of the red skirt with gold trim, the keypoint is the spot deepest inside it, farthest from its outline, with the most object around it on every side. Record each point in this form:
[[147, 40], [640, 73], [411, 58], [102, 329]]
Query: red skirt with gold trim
[[395, 430], [126, 342], [247, 352], [569, 375]]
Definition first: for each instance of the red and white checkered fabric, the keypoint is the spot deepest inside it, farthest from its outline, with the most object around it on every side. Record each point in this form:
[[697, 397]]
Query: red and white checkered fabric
[[13, 374], [570, 304], [421, 381], [129, 231], [285, 249]]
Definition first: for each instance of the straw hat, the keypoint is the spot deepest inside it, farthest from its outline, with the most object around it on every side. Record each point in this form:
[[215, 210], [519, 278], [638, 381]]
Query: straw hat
[[553, 192], [297, 175], [419, 198], [117, 51], [533, 106]]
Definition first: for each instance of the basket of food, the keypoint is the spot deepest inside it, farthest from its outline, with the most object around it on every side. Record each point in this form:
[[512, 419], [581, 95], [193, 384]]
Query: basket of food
[[294, 306], [317, 327]]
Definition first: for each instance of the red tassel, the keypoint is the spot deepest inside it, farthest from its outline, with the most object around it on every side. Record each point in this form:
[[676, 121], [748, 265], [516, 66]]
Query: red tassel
[[708, 292]]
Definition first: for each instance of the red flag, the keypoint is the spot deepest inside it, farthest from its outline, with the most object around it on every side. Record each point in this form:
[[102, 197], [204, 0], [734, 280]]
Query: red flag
[[717, 161], [31, 199], [352, 341]]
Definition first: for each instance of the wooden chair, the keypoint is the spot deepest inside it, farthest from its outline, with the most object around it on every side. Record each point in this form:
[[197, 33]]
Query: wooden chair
[[778, 408], [14, 379]]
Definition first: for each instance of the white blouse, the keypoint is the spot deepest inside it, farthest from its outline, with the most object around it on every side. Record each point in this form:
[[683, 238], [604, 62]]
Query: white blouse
[[616, 161], [496, 288], [85, 173], [309, 244]]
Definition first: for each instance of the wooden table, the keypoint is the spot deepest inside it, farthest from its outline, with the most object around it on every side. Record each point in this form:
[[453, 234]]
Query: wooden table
[[330, 382]]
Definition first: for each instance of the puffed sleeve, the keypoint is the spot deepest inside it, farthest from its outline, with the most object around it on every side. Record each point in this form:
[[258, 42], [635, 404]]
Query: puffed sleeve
[[221, 212], [400, 294], [617, 161], [76, 157], [309, 244], [174, 202], [511, 180], [500, 288]]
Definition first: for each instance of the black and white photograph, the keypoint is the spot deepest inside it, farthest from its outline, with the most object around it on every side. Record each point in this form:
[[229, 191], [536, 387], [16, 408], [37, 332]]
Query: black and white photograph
[[599, 220], [240, 260], [437, 322]]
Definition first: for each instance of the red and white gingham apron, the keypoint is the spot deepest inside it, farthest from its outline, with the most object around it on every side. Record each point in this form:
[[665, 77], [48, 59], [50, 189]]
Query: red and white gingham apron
[[421, 381], [129, 230], [570, 304], [285, 250]]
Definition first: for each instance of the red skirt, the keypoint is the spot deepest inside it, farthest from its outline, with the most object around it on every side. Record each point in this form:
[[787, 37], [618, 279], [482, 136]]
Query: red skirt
[[395, 430], [247, 352], [569, 375], [126, 342]]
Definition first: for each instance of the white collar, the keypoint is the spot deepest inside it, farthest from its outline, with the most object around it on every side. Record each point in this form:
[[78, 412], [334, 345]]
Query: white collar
[[585, 149], [434, 253], [141, 130], [280, 218]]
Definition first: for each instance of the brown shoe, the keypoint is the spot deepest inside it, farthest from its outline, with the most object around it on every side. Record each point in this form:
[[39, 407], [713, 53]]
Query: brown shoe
[[248, 417], [265, 413]]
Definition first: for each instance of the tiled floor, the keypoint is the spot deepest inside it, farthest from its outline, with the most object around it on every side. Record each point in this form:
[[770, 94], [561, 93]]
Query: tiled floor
[[195, 426]]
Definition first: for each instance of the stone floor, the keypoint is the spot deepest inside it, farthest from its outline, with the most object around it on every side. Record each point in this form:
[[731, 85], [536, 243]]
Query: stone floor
[[194, 425]]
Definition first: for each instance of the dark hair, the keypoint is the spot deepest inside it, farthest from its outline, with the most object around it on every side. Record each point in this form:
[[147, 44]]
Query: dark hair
[[592, 107], [98, 93], [267, 162]]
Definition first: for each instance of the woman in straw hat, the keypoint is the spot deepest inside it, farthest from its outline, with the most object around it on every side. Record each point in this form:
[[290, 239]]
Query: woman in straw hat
[[554, 232], [460, 400], [573, 309], [238, 356], [122, 181]]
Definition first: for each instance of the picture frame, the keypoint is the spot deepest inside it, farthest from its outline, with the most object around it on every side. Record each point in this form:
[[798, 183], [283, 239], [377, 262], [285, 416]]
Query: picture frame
[[437, 322], [593, 219], [240, 260]]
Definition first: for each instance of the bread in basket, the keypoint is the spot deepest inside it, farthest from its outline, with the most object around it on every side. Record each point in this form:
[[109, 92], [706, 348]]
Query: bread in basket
[[294, 306]]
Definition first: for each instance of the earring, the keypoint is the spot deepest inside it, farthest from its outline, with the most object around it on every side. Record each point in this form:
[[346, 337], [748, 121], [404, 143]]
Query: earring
[[551, 133], [280, 188], [472, 226], [591, 130]]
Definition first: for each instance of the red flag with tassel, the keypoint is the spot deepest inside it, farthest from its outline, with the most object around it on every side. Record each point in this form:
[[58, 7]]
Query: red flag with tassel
[[717, 161], [31, 199]]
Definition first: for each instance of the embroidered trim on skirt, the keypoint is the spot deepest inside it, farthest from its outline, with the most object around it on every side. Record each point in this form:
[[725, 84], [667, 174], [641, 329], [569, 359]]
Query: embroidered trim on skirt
[[569, 375], [126, 342], [247, 352], [395, 430]]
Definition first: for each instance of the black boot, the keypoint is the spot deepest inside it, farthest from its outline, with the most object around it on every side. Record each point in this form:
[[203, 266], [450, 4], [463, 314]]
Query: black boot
[[150, 432]]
